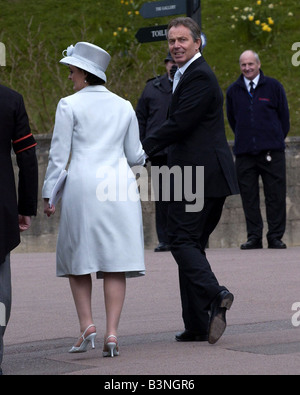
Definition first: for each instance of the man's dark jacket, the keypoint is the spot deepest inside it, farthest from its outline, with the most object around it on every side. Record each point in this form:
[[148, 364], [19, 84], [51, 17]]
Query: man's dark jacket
[[195, 132], [15, 133], [260, 123], [153, 105]]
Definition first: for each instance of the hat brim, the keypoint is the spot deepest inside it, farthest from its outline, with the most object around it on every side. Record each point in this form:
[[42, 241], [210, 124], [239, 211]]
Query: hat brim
[[70, 60]]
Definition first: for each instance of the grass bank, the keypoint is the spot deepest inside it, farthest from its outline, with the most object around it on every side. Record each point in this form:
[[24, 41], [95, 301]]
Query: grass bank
[[36, 31]]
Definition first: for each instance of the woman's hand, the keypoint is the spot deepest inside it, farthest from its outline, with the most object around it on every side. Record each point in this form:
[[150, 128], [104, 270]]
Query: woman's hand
[[47, 209]]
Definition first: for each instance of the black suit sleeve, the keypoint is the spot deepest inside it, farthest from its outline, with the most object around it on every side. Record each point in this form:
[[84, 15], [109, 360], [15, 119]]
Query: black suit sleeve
[[189, 105], [142, 115], [24, 147]]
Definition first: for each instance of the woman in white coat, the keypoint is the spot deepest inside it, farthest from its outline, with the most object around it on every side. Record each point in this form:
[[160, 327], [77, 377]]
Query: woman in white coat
[[96, 134]]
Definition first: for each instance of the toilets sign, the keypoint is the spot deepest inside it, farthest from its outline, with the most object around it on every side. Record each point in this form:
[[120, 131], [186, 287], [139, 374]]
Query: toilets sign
[[152, 34]]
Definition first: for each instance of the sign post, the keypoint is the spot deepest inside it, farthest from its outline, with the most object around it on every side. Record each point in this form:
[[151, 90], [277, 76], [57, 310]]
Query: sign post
[[193, 10], [154, 9]]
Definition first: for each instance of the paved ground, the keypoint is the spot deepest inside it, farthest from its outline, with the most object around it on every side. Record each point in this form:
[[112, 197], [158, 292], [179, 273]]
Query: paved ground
[[260, 336]]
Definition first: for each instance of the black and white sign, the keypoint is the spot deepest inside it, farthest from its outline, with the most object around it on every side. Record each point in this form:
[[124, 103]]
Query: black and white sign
[[152, 33], [156, 9]]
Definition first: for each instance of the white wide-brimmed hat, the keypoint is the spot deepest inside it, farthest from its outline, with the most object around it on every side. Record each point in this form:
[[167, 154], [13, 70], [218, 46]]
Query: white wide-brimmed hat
[[88, 57]]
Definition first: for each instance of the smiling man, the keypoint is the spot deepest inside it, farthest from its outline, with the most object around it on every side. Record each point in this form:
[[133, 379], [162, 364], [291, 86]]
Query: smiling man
[[195, 135], [250, 65], [258, 114]]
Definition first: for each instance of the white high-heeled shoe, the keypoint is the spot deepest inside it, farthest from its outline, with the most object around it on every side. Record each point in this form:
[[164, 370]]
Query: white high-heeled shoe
[[111, 349], [85, 341]]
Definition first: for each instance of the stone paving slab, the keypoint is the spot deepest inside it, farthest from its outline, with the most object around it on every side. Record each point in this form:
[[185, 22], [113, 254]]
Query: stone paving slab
[[260, 337]]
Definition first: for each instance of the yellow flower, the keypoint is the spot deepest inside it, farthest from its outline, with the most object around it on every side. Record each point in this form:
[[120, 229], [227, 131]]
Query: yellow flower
[[270, 21], [257, 22], [137, 12], [258, 2], [125, 29], [250, 17], [266, 28], [115, 34], [129, 13], [119, 28]]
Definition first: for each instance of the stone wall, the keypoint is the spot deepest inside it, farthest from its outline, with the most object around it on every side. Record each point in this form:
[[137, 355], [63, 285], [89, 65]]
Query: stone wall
[[231, 231]]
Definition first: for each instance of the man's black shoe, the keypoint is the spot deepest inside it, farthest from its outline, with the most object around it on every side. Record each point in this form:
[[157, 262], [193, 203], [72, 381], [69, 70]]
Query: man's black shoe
[[188, 336], [217, 323], [276, 243], [252, 244], [162, 247]]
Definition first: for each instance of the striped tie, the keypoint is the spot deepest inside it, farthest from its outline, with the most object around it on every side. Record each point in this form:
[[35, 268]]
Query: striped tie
[[251, 88]]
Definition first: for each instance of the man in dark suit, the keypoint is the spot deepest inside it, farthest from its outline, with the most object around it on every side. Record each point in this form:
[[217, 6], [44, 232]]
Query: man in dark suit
[[15, 214], [195, 135]]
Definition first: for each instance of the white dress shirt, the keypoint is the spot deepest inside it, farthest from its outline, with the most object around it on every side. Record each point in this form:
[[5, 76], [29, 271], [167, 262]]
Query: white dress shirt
[[182, 69], [255, 82]]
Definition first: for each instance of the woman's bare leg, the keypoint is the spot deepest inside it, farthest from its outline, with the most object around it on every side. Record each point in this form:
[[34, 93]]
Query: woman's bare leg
[[114, 296], [81, 287]]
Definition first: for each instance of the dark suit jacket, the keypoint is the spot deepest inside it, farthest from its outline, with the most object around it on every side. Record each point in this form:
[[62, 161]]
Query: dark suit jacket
[[15, 133], [153, 106], [195, 131]]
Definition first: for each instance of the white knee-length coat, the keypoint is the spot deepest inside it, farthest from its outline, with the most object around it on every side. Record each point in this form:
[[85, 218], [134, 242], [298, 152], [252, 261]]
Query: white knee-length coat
[[101, 226]]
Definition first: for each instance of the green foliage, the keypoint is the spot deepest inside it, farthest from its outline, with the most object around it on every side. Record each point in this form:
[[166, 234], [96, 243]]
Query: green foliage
[[225, 44], [35, 32], [124, 35], [256, 22]]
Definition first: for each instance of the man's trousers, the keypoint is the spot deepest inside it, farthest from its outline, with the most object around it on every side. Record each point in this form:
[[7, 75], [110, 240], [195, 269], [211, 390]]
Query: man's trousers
[[273, 174], [5, 299]]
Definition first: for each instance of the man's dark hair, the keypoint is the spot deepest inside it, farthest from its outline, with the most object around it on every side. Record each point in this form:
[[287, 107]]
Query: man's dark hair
[[189, 23]]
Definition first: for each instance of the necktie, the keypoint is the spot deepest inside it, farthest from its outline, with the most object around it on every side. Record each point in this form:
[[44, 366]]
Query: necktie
[[251, 88], [177, 77]]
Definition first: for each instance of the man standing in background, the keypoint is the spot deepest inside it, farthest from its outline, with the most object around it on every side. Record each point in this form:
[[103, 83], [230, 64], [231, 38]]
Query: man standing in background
[[258, 113], [152, 111]]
